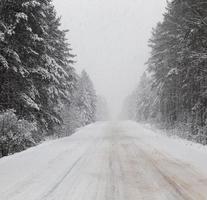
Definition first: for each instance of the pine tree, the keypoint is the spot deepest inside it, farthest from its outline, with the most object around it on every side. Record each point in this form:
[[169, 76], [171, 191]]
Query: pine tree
[[85, 99], [177, 67], [102, 111], [35, 61], [82, 108]]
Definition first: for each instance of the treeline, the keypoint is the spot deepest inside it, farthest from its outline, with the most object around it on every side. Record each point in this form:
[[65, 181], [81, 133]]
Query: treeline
[[40, 93], [102, 110], [172, 93]]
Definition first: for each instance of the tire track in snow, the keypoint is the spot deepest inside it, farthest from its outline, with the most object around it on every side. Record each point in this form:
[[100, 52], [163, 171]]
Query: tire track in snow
[[57, 184], [67, 173], [185, 193], [22, 185]]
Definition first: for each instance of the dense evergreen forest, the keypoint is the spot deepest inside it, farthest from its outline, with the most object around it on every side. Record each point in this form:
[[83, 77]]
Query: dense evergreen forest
[[41, 95], [172, 93]]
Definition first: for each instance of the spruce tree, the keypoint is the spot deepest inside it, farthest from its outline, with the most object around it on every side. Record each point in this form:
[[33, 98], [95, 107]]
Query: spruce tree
[[177, 67], [35, 61], [86, 99]]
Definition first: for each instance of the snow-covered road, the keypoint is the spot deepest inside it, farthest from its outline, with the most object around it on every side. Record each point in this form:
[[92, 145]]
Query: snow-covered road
[[105, 161]]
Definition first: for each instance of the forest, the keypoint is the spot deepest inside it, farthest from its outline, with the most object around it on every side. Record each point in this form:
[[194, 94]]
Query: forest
[[41, 94], [172, 92]]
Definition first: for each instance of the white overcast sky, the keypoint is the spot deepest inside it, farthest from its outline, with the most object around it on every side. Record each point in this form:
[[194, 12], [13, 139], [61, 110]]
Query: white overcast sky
[[110, 39]]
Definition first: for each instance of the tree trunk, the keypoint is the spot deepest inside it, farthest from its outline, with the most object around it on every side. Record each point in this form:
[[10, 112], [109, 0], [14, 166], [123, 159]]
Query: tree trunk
[[4, 151]]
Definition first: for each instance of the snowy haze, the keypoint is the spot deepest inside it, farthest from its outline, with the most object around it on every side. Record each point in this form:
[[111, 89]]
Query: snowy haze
[[110, 39]]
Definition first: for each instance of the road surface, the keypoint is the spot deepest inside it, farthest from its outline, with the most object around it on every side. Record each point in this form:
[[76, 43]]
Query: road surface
[[104, 161]]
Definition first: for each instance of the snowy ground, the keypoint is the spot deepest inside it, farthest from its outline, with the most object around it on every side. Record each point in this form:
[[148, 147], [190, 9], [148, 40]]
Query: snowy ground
[[107, 161]]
